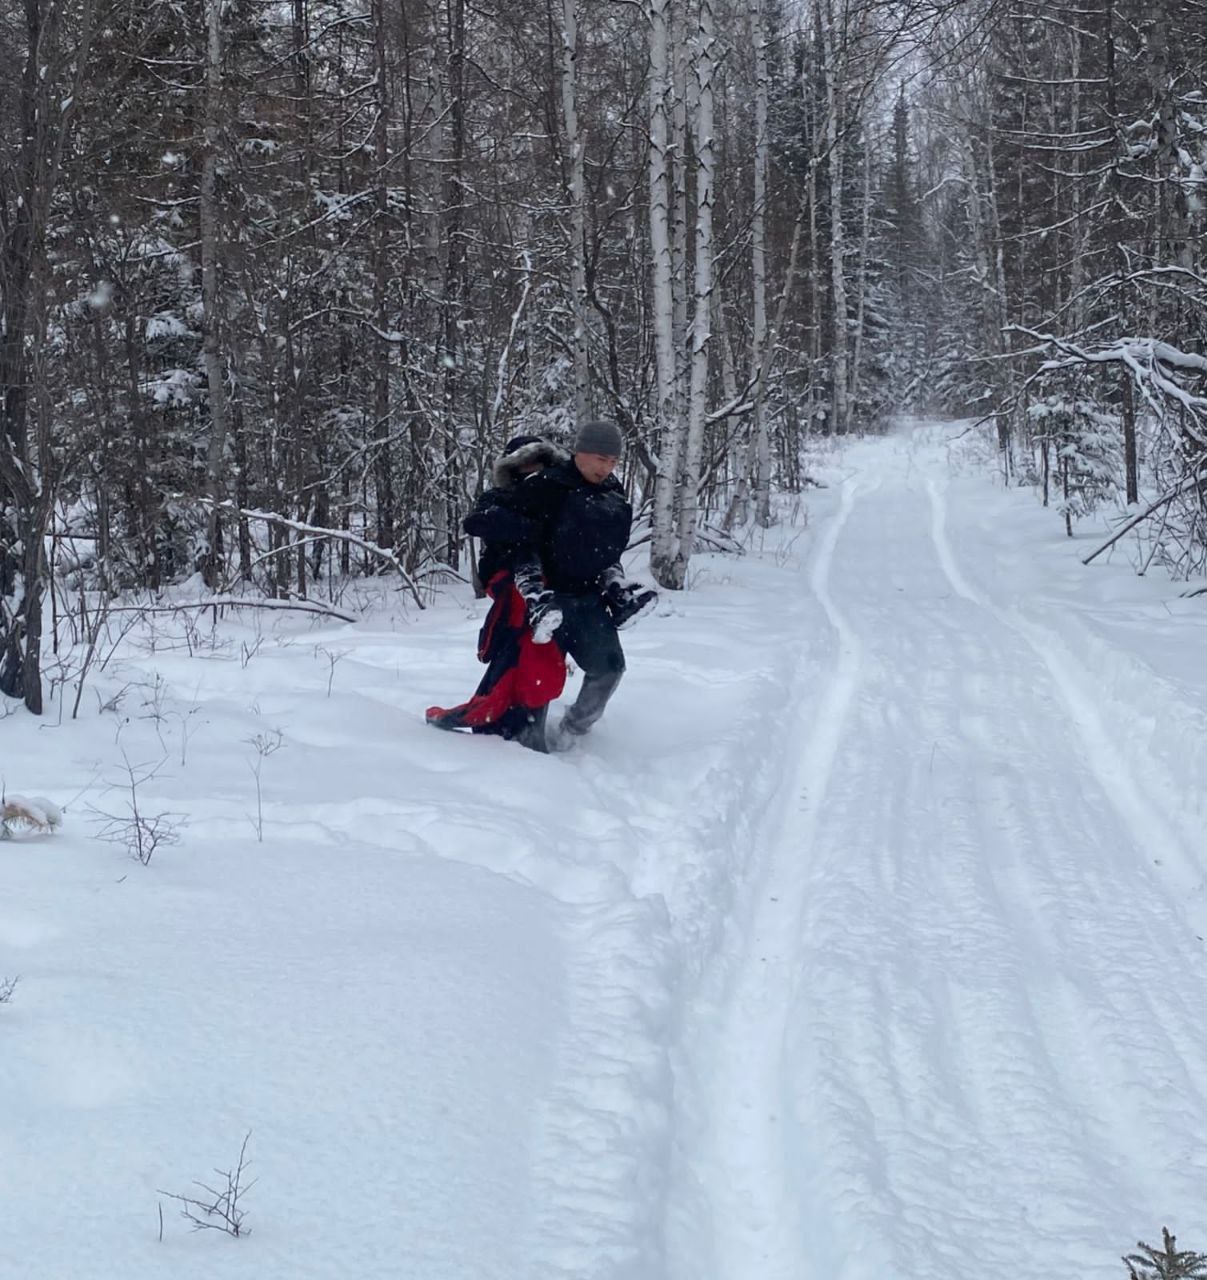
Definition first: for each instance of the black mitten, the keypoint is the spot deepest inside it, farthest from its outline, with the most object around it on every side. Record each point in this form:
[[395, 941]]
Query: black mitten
[[626, 601]]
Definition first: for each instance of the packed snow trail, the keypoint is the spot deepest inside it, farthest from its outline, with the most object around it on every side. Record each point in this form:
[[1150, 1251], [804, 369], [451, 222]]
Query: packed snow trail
[[862, 938], [959, 1028], [755, 1202]]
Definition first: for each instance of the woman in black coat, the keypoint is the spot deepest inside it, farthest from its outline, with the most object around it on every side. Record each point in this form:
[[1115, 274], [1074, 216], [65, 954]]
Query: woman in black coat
[[525, 670]]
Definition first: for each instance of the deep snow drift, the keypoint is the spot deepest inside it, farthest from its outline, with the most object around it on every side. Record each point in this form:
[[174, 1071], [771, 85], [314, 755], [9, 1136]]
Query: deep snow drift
[[863, 938]]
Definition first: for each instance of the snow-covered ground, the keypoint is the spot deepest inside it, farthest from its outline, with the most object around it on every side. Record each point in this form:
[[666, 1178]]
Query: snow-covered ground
[[863, 938]]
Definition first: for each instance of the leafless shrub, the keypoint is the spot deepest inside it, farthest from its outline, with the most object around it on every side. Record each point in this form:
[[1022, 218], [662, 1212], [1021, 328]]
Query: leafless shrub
[[186, 729], [333, 657], [99, 622], [141, 833], [266, 744], [154, 695], [7, 987], [217, 1208], [113, 703]]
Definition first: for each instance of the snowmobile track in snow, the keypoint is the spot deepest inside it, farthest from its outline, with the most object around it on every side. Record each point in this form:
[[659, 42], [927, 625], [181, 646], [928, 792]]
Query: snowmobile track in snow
[[752, 1208], [953, 987], [1142, 815]]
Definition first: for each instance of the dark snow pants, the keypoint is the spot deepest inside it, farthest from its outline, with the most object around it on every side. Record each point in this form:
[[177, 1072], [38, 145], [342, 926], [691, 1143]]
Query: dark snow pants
[[588, 636]]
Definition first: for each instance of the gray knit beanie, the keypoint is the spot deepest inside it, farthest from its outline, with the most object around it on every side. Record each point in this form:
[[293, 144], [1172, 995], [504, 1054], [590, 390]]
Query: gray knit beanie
[[598, 435]]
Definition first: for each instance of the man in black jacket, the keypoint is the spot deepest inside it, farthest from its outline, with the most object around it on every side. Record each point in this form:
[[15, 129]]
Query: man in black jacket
[[575, 516]]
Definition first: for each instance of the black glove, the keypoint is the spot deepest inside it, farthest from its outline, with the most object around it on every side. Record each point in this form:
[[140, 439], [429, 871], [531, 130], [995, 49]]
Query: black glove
[[627, 600], [544, 617]]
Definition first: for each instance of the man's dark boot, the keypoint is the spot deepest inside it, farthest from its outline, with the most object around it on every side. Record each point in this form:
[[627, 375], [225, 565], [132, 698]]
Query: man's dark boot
[[587, 708]]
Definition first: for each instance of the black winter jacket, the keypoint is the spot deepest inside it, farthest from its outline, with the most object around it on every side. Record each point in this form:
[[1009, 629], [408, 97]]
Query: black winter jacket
[[578, 529], [494, 519]]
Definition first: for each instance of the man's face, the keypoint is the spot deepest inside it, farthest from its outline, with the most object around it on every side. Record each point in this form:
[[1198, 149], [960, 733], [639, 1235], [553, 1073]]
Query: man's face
[[595, 468]]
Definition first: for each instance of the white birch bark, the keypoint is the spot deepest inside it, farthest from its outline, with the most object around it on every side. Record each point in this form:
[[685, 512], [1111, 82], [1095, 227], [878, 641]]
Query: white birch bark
[[682, 108], [574, 148], [663, 538], [701, 331]]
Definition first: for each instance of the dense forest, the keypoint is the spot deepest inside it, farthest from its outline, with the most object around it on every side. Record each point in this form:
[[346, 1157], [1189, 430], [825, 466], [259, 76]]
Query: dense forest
[[278, 279]]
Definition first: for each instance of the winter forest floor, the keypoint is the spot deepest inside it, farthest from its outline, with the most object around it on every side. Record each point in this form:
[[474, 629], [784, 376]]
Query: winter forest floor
[[863, 940]]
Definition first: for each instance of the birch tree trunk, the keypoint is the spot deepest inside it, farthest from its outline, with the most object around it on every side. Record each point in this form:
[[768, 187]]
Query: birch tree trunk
[[682, 88], [701, 332], [578, 268], [666, 409], [211, 251]]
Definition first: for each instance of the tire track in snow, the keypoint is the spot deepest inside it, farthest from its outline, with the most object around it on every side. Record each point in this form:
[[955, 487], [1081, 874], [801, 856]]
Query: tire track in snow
[[1140, 813], [751, 1202]]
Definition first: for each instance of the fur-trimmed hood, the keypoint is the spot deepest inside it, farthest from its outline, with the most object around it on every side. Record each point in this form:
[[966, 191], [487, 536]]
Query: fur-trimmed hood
[[509, 466]]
